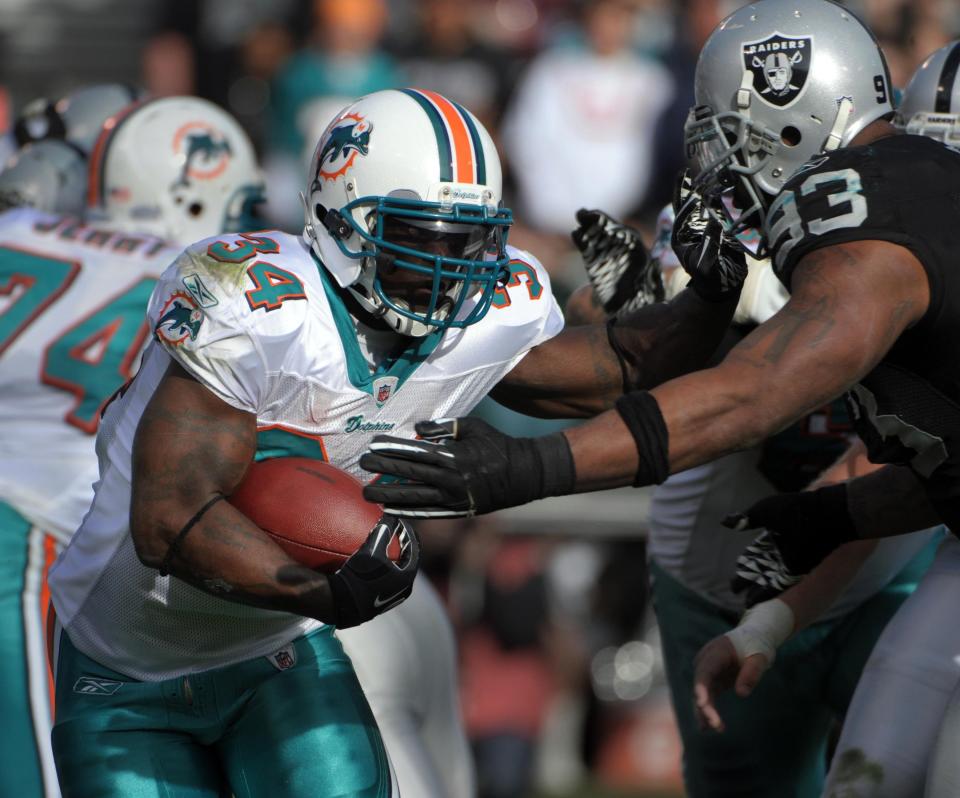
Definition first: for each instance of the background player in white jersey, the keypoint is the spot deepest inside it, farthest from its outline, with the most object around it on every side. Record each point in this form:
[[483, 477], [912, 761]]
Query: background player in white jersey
[[400, 299], [895, 716], [71, 332]]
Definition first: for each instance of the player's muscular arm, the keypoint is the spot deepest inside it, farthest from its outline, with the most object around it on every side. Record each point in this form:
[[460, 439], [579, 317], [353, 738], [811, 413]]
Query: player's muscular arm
[[850, 302], [189, 447], [578, 374]]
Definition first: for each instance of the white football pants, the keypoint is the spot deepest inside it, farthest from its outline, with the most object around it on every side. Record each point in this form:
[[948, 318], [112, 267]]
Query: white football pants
[[406, 661]]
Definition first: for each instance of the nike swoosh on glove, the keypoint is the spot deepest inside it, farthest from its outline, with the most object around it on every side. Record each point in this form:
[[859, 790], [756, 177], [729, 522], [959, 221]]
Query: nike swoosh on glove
[[618, 265], [369, 582]]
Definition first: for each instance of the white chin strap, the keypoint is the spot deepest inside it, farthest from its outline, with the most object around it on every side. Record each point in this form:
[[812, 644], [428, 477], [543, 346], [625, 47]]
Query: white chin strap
[[835, 139]]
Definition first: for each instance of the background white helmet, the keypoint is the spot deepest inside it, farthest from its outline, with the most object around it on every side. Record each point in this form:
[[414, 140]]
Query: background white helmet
[[47, 175], [777, 82], [76, 117], [180, 168], [407, 180], [931, 102]]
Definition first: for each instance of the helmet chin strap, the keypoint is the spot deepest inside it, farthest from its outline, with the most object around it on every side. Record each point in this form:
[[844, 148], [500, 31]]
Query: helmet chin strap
[[835, 139]]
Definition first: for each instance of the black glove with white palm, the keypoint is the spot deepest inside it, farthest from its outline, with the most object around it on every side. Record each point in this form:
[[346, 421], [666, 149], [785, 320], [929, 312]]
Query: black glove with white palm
[[369, 582], [464, 467], [620, 270], [801, 530], [714, 258]]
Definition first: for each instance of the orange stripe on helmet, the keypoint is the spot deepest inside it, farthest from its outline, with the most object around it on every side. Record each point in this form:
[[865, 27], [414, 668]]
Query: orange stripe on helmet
[[463, 159], [95, 178]]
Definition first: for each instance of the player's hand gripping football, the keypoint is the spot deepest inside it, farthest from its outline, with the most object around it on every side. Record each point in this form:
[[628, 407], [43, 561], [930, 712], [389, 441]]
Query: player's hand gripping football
[[618, 265], [802, 529], [715, 260], [369, 582], [464, 467]]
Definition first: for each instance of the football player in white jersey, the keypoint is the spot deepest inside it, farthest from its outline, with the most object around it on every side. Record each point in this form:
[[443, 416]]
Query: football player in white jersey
[[400, 300], [72, 326]]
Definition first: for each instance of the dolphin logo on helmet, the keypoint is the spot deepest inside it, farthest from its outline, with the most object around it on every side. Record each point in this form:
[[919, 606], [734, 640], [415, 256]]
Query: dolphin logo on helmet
[[349, 137]]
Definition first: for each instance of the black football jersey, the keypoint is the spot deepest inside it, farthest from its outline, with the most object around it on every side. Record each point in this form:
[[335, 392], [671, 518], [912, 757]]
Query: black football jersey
[[906, 190]]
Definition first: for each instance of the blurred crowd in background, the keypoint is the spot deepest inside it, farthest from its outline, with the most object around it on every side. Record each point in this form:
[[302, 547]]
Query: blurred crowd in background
[[561, 678]]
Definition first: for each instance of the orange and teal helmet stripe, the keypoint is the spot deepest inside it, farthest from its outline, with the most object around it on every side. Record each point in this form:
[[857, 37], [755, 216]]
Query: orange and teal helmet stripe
[[458, 143], [477, 145], [96, 176]]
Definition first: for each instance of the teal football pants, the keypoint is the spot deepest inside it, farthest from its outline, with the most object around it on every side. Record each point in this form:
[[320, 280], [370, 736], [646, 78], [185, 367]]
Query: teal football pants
[[247, 729], [775, 742], [26, 762]]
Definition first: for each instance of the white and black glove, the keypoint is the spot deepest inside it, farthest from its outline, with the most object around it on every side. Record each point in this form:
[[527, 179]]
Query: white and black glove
[[464, 467], [715, 260], [618, 265], [802, 530], [369, 582]]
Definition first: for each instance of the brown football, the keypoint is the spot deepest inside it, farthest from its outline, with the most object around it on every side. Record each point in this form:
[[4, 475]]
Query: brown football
[[313, 510]]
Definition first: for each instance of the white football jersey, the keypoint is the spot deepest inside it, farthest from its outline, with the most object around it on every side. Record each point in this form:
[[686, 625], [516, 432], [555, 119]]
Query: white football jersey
[[256, 319], [72, 327]]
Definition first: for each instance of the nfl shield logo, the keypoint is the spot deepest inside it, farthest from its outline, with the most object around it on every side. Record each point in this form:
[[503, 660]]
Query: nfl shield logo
[[283, 659], [780, 65], [383, 389]]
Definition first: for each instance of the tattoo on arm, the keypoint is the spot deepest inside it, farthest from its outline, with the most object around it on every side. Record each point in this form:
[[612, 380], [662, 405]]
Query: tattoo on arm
[[189, 446]]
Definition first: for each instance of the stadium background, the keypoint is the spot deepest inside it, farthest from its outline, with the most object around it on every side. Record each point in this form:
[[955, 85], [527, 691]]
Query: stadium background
[[562, 683]]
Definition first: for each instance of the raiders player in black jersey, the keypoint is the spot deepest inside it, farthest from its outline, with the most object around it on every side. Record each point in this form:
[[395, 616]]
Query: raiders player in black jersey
[[793, 119]]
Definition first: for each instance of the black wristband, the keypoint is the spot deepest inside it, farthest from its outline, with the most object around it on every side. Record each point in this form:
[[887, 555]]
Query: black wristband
[[174, 546], [559, 475], [641, 413]]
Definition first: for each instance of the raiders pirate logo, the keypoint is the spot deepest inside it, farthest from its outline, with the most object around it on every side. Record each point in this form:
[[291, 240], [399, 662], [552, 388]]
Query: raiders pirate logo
[[780, 65]]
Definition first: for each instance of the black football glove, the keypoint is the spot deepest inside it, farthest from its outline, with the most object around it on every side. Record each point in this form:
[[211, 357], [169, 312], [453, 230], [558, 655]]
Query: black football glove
[[802, 529], [715, 260], [618, 266], [464, 467], [369, 582]]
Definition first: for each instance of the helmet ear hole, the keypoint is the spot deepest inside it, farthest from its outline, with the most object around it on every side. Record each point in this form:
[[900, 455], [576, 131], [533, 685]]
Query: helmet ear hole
[[195, 209], [790, 136]]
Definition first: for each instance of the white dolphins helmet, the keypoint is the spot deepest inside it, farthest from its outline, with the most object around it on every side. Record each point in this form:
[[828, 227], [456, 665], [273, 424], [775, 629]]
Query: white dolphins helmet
[[49, 175], [931, 102], [180, 168], [408, 182], [778, 82]]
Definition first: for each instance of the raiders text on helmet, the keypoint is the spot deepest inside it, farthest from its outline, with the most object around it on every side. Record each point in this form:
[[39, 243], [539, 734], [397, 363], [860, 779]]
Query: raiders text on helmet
[[408, 182], [931, 101], [778, 82], [178, 167]]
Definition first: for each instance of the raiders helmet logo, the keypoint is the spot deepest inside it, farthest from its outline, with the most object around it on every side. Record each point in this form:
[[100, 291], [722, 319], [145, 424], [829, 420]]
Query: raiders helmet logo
[[780, 65]]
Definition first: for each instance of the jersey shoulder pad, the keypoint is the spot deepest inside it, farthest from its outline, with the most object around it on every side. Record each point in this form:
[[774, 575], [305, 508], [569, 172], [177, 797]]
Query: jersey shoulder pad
[[824, 202], [250, 272], [528, 283], [526, 299], [216, 317]]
